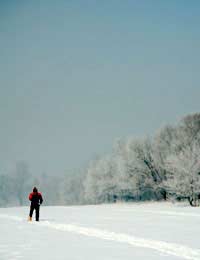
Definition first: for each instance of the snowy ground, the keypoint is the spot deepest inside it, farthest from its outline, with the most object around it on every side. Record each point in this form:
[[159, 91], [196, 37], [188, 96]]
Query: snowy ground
[[152, 231]]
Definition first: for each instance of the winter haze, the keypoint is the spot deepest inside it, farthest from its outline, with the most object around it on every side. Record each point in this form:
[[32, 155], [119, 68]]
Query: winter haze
[[76, 75], [100, 130]]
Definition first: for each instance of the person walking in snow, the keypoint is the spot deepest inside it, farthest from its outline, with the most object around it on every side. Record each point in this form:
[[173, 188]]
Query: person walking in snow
[[36, 200]]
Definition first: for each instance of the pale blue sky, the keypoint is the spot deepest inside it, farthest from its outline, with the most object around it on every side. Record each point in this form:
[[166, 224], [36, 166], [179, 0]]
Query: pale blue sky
[[76, 75]]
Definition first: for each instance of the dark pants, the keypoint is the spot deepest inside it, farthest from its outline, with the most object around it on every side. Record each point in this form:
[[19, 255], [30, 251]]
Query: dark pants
[[37, 211]]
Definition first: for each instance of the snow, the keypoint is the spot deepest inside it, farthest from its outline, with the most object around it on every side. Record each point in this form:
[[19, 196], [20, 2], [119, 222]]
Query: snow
[[152, 231]]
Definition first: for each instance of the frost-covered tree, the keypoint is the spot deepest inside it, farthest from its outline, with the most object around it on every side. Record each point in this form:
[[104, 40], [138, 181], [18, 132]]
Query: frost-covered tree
[[184, 173], [129, 173], [21, 182], [189, 129], [6, 195], [50, 187], [147, 169], [72, 188], [100, 183], [183, 163], [143, 169], [175, 148], [129, 179], [163, 145]]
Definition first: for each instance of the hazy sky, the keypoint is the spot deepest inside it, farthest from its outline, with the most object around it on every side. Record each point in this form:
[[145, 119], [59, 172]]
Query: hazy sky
[[76, 75]]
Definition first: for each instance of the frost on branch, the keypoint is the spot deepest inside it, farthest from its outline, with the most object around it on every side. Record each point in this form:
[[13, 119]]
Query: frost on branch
[[183, 164]]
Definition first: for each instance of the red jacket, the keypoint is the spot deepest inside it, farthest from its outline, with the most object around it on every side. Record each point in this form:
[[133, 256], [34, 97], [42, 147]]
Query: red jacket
[[35, 198]]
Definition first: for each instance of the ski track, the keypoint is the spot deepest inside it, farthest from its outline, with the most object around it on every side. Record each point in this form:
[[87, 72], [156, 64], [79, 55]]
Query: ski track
[[174, 249]]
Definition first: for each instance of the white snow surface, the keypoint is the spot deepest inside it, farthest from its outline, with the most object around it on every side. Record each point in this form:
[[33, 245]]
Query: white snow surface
[[152, 231]]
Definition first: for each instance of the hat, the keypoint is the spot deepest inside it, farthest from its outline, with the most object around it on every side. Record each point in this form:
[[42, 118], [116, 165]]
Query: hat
[[35, 189]]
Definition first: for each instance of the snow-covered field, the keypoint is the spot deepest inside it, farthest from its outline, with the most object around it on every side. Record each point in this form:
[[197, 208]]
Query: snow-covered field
[[106, 232]]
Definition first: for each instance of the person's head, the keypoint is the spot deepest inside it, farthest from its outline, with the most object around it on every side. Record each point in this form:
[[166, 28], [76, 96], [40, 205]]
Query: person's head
[[35, 189]]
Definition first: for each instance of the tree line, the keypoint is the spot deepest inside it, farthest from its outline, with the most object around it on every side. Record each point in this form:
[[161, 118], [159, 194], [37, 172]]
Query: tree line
[[165, 166]]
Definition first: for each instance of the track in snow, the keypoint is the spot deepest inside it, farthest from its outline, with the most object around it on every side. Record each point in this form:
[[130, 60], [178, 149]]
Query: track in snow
[[174, 249]]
